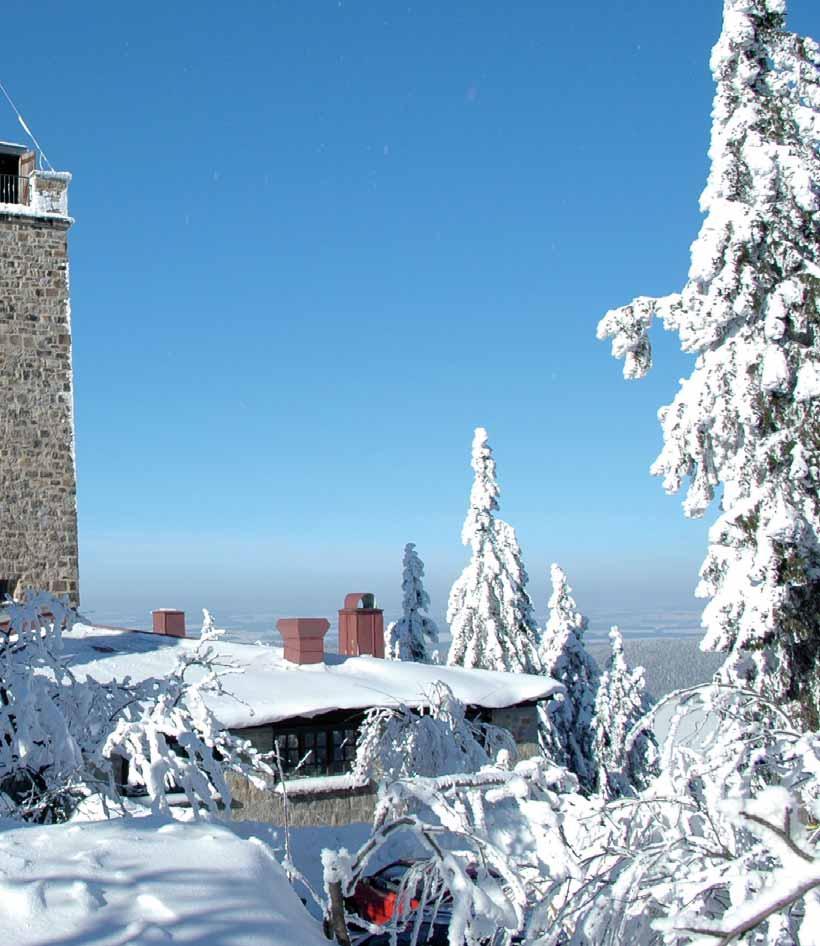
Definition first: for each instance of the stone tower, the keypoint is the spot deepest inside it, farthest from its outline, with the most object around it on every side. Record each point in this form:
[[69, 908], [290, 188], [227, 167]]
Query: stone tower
[[38, 484]]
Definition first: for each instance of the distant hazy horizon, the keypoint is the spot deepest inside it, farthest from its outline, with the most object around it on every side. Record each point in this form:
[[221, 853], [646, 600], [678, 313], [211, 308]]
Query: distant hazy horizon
[[249, 624]]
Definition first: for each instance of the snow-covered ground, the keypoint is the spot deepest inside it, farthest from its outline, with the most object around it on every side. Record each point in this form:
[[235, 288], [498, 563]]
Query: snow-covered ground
[[142, 882], [306, 845]]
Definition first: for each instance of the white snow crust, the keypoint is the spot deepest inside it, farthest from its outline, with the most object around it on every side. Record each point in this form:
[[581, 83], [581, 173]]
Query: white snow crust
[[317, 784], [145, 881]]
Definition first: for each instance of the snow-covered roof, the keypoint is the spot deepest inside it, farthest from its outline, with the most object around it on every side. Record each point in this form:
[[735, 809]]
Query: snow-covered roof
[[144, 881], [11, 147], [268, 688]]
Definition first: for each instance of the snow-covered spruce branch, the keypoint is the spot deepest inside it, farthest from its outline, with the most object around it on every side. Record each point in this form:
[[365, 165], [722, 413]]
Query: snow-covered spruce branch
[[628, 327]]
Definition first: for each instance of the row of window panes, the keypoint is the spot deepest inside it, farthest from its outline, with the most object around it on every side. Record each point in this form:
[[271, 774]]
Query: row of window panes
[[325, 752]]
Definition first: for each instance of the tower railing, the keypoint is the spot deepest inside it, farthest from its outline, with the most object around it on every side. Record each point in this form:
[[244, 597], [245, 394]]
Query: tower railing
[[14, 189]]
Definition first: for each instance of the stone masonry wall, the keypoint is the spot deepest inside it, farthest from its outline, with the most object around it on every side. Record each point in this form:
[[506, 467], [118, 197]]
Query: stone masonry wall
[[522, 722], [336, 807], [38, 507]]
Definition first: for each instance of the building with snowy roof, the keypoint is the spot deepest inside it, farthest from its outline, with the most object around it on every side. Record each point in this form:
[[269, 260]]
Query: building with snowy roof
[[308, 702]]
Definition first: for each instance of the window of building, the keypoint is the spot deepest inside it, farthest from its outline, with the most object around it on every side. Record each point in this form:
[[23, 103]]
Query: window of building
[[324, 745]]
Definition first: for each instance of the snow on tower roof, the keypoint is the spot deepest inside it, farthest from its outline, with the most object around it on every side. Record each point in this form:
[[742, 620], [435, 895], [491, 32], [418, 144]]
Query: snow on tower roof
[[11, 147], [268, 688]]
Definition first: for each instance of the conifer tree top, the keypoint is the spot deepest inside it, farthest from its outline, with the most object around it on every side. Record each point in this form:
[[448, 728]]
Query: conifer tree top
[[415, 634], [485, 491], [563, 609]]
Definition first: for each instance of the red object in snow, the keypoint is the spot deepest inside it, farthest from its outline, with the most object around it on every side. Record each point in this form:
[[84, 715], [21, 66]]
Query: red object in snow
[[375, 905], [361, 626], [303, 639]]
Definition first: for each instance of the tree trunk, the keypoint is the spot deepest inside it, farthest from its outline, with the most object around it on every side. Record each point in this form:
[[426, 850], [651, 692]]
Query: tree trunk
[[337, 913]]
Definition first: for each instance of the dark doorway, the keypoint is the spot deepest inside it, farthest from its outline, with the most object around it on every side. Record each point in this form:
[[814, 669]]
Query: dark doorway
[[9, 179]]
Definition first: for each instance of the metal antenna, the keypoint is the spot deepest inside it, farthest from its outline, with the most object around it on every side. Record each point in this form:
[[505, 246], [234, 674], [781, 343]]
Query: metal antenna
[[26, 129]]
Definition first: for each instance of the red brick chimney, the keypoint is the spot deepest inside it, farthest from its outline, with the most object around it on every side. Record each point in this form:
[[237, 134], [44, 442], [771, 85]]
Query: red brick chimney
[[169, 622], [361, 626], [303, 639]]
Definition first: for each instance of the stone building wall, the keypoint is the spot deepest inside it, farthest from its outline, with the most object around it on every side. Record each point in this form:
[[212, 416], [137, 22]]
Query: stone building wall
[[38, 511], [522, 723], [328, 807]]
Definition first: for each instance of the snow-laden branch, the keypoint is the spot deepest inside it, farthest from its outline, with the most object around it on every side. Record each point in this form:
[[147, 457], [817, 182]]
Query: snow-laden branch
[[438, 739], [628, 327]]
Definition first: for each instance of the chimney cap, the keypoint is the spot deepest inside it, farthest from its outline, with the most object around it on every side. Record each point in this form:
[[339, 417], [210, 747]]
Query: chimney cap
[[303, 627], [367, 599]]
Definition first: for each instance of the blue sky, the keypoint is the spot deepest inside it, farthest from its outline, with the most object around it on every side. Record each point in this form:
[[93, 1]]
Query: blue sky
[[317, 243]]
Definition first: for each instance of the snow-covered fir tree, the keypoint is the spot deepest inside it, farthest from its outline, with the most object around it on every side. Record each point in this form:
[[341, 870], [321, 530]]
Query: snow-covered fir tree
[[489, 611], [620, 703], [748, 417], [566, 732], [414, 636]]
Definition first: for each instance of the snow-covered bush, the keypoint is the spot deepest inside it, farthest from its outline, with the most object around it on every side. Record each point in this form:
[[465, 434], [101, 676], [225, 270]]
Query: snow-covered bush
[[482, 851], [724, 840], [60, 735], [748, 417], [436, 739], [565, 730], [489, 611], [172, 741], [624, 763], [51, 724], [415, 635]]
